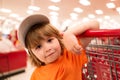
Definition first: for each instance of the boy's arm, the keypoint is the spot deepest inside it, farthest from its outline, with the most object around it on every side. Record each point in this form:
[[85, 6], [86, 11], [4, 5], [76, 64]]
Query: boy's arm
[[70, 39]]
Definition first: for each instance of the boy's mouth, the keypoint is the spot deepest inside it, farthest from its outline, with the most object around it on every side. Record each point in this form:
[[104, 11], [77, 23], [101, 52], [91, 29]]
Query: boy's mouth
[[50, 54]]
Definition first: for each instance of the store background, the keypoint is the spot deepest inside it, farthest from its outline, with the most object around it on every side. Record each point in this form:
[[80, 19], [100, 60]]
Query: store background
[[62, 13]]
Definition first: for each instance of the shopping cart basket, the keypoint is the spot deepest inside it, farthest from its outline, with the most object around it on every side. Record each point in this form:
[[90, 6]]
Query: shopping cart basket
[[103, 54]]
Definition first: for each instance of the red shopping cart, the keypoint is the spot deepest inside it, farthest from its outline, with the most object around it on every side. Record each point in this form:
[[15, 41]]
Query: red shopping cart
[[104, 55]]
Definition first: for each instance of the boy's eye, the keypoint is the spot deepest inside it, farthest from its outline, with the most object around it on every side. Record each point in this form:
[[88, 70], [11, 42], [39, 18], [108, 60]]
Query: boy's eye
[[50, 40], [39, 46]]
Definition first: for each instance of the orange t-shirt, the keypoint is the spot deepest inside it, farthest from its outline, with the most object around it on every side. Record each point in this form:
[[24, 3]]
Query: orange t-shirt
[[67, 67]]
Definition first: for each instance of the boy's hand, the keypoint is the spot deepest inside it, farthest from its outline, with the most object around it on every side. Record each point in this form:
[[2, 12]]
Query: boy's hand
[[71, 43]]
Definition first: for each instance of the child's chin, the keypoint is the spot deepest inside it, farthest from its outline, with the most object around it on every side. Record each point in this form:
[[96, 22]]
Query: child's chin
[[52, 60]]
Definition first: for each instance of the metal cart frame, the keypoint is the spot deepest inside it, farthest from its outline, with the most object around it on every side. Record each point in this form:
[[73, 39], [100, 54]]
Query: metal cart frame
[[103, 54]]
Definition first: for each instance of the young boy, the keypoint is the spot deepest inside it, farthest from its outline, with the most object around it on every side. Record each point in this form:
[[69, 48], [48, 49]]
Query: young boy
[[56, 56]]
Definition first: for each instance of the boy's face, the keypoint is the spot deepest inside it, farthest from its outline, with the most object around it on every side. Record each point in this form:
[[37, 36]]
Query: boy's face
[[48, 50]]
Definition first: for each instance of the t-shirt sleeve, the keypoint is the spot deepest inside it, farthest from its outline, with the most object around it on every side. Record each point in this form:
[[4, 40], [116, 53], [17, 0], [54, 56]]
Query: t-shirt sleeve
[[82, 56], [78, 59]]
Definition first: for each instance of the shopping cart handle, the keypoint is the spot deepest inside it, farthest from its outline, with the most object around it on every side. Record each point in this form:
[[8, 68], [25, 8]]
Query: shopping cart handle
[[101, 33]]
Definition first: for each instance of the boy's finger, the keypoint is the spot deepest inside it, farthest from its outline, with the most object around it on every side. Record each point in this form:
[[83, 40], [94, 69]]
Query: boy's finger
[[76, 50], [78, 47]]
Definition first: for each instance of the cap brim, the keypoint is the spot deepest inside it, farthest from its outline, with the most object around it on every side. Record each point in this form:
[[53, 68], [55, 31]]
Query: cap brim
[[27, 23]]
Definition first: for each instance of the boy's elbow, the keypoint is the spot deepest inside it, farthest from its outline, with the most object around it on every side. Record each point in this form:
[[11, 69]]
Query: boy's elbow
[[96, 24]]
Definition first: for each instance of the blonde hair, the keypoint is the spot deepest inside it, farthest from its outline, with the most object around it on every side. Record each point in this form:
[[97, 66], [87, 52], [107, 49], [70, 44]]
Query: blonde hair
[[37, 33]]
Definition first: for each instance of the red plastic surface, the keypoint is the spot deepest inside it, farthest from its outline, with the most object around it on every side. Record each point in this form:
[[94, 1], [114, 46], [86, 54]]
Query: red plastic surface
[[12, 61]]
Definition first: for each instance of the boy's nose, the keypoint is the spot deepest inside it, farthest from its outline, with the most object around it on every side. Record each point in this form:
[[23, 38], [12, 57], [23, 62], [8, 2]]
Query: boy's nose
[[47, 47]]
